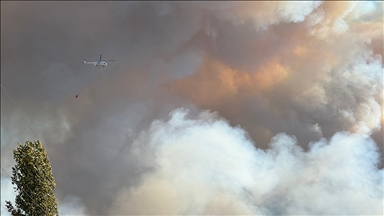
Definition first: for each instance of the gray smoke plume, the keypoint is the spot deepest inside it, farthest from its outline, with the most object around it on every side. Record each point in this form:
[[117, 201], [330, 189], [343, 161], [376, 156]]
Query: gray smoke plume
[[284, 100]]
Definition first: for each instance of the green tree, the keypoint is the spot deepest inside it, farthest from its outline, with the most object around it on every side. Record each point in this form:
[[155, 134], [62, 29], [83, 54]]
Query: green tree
[[34, 181]]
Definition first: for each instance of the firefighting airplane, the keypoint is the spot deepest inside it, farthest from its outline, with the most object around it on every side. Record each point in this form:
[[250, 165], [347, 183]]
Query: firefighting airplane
[[99, 64]]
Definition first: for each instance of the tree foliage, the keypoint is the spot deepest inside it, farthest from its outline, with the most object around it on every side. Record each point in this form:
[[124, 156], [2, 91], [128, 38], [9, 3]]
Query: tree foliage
[[34, 181]]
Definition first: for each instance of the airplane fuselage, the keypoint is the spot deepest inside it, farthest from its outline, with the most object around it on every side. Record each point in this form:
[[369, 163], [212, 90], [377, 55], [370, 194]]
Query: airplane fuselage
[[99, 63]]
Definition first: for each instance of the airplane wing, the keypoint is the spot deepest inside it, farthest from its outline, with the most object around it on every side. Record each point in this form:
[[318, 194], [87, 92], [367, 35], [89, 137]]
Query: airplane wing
[[108, 60]]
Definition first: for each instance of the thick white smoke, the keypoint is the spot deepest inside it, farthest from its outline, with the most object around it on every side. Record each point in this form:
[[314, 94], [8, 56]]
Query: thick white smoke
[[7, 192], [71, 205], [204, 166]]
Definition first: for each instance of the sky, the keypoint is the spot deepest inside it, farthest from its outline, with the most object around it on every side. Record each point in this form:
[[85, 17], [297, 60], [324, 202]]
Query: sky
[[251, 108]]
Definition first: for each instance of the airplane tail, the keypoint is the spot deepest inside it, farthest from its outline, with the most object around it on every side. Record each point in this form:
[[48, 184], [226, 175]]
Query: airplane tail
[[84, 61]]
